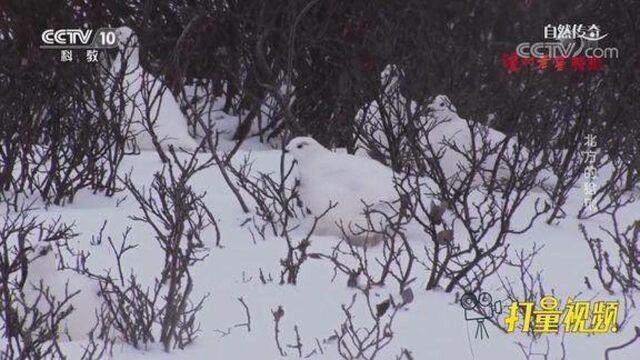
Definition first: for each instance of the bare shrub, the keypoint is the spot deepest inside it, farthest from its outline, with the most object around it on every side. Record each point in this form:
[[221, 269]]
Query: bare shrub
[[613, 191], [617, 256], [60, 133], [275, 198], [276, 206], [623, 345], [365, 267], [527, 286], [31, 326], [180, 221], [470, 222], [358, 339]]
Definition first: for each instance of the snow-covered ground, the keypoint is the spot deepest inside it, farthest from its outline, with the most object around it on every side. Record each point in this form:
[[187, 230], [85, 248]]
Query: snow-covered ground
[[431, 327]]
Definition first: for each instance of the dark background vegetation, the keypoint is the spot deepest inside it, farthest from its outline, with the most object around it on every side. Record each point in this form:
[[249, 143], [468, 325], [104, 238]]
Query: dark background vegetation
[[307, 68], [340, 47]]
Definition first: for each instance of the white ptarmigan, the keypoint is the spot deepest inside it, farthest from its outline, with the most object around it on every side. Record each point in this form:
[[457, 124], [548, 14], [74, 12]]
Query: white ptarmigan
[[347, 181], [171, 125], [385, 119], [43, 267]]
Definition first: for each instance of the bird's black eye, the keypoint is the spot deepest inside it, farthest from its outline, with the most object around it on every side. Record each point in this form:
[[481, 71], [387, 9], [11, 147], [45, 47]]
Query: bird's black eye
[[300, 146], [45, 250]]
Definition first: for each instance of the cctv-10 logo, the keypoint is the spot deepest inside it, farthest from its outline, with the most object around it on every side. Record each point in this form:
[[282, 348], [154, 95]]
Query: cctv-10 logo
[[103, 38]]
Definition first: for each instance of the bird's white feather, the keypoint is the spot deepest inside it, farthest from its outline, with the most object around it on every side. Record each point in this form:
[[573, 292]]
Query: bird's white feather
[[349, 182]]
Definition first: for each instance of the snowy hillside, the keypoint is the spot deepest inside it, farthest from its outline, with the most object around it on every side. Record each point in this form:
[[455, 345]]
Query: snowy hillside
[[430, 326]]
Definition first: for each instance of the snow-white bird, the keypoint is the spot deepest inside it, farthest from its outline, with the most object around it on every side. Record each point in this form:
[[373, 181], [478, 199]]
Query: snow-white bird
[[171, 126], [449, 129], [449, 135], [349, 182], [44, 267]]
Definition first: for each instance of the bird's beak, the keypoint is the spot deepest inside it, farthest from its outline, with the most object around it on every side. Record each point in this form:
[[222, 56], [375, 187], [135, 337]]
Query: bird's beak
[[286, 150]]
